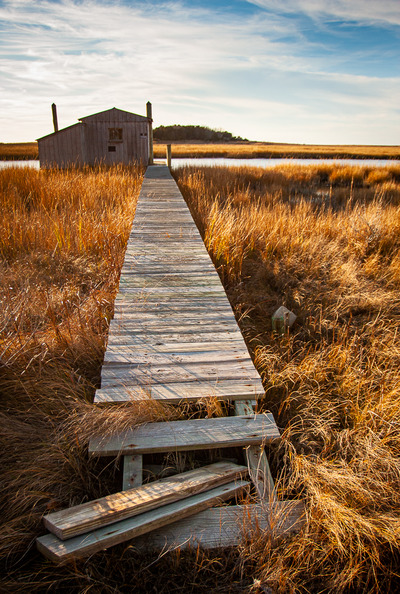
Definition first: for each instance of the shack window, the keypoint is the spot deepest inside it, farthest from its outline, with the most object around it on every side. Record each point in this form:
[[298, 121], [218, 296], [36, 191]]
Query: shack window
[[111, 149], [114, 134]]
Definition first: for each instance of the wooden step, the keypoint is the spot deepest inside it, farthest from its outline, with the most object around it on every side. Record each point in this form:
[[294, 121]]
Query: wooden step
[[107, 510], [176, 392], [256, 458], [92, 542], [225, 526], [197, 434]]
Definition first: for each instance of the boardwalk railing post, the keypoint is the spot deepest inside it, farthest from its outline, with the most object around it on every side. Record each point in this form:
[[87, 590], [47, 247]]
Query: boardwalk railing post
[[150, 118], [169, 156]]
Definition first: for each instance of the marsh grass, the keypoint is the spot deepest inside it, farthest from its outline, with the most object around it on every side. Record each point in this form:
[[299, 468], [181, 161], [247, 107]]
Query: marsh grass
[[247, 150], [324, 241], [12, 151], [320, 240], [63, 237], [267, 150]]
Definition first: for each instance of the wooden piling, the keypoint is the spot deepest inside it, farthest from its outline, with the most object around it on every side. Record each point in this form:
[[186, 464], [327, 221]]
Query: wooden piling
[[169, 159], [150, 118]]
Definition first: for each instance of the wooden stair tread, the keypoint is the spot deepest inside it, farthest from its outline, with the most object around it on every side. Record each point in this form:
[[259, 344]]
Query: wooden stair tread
[[118, 506], [176, 392], [221, 527], [197, 434], [87, 544]]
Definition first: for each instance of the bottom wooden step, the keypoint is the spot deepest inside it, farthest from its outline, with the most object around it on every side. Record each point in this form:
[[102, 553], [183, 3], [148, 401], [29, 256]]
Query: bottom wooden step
[[97, 540], [92, 515], [224, 526]]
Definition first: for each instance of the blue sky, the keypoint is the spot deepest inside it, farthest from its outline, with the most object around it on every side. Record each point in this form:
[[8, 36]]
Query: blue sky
[[307, 71]]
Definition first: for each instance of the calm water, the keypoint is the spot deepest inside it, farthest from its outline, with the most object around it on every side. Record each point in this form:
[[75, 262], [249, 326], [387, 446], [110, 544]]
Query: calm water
[[240, 162], [272, 162], [4, 164]]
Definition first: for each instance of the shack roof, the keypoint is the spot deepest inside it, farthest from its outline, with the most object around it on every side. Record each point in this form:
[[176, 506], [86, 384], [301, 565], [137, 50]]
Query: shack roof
[[59, 131], [114, 114], [109, 115]]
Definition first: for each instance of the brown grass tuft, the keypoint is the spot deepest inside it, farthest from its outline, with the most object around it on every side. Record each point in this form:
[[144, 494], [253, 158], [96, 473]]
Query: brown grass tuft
[[323, 241]]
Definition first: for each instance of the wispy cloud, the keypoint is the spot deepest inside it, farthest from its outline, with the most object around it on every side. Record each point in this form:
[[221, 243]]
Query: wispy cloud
[[255, 74], [359, 11]]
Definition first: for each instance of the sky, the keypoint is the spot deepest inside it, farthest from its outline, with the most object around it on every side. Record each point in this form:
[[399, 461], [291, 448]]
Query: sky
[[302, 71]]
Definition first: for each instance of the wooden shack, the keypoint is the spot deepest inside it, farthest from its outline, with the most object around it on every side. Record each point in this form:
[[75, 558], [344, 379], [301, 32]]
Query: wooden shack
[[108, 137]]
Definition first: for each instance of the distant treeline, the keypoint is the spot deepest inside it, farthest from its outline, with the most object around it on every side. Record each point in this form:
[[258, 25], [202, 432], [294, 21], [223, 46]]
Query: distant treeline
[[178, 132]]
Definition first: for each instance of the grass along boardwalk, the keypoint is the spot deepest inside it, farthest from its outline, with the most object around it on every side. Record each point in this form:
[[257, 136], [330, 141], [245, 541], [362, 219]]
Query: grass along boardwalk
[[173, 336]]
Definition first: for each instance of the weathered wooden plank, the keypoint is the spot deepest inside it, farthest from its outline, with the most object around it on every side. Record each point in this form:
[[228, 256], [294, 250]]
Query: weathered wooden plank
[[170, 294], [222, 527], [119, 506], [132, 344], [189, 391], [168, 314], [257, 460], [155, 270], [151, 375], [168, 281], [158, 336], [170, 324], [129, 356], [132, 472], [154, 335], [195, 434], [103, 538], [155, 293], [128, 303]]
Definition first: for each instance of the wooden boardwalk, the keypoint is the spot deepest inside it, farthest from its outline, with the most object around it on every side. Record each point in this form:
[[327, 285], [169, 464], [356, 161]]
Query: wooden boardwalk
[[173, 335], [174, 338]]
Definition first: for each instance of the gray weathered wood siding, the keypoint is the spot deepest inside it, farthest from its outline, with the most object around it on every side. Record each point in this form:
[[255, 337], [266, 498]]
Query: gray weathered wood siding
[[63, 148], [133, 147], [92, 141]]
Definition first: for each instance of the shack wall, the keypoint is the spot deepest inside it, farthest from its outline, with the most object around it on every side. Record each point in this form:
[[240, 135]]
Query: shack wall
[[109, 137], [63, 148], [101, 147]]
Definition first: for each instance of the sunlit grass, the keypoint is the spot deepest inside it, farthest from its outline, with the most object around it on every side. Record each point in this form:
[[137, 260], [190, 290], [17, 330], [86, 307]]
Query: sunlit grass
[[238, 150], [18, 150], [62, 240], [266, 150], [324, 241]]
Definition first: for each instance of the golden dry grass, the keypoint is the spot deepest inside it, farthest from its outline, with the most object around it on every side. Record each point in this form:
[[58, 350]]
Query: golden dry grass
[[63, 237], [322, 240], [249, 150], [238, 150], [18, 150], [325, 243]]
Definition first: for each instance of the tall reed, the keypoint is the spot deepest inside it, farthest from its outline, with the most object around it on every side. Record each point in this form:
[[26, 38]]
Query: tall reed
[[324, 241], [62, 240]]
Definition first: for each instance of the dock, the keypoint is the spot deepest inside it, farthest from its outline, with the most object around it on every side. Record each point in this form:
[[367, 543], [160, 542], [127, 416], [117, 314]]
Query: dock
[[174, 335], [174, 338]]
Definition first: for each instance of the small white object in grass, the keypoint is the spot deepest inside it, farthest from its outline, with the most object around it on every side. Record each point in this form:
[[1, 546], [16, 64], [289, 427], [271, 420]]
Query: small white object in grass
[[282, 319]]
